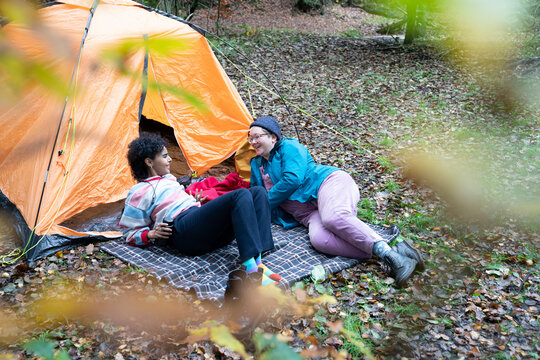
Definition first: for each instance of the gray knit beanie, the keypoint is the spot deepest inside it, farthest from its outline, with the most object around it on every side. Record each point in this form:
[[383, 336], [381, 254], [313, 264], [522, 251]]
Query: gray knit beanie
[[268, 123]]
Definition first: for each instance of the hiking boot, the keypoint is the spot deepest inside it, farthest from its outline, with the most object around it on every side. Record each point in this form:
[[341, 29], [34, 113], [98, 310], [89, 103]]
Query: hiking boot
[[240, 283], [254, 279], [240, 299], [235, 285], [406, 248], [402, 267]]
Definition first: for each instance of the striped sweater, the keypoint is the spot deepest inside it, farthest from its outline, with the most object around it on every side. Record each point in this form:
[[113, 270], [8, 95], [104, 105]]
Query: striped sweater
[[153, 201]]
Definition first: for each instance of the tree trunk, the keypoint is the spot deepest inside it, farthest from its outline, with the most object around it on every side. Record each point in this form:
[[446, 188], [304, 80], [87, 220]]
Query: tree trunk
[[218, 15], [410, 31], [193, 7]]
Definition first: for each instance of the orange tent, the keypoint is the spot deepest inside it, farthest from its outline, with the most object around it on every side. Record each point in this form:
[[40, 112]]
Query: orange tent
[[61, 156]]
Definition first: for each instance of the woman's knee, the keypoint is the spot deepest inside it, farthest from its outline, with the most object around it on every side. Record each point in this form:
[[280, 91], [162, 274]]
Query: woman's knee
[[242, 192], [259, 195], [258, 191], [317, 235], [241, 196], [320, 239], [335, 218]]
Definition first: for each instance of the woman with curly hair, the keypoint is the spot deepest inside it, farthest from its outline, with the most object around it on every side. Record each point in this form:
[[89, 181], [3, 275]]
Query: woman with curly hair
[[159, 210]]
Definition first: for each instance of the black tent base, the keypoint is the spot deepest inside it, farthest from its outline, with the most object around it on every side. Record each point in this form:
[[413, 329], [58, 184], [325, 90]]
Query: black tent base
[[37, 247], [46, 245]]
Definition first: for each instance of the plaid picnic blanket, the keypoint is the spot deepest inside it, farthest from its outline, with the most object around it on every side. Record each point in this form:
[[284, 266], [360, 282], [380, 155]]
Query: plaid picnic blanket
[[207, 275]]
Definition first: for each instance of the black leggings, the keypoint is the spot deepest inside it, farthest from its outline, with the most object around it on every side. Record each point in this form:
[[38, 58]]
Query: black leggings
[[242, 213]]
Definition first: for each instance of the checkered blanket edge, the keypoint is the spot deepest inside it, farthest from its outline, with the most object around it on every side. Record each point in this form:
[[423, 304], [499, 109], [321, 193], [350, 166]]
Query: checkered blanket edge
[[293, 258]]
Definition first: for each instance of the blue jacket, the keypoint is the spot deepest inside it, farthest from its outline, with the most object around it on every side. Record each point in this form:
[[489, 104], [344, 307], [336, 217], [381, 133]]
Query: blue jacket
[[294, 174]]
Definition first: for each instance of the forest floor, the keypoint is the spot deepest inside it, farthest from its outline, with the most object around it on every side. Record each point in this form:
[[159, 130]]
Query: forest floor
[[389, 115]]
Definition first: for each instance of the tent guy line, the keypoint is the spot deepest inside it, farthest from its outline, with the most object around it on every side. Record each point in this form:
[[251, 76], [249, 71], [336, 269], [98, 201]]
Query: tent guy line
[[340, 134]]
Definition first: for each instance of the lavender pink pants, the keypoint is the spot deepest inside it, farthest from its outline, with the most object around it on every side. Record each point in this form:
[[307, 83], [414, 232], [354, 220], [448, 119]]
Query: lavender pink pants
[[334, 227]]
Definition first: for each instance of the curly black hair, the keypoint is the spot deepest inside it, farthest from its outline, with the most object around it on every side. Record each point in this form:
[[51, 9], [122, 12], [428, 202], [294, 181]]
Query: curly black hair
[[147, 145]]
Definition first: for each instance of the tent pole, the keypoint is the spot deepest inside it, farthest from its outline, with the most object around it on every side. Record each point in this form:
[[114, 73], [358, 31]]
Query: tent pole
[[92, 10], [144, 78]]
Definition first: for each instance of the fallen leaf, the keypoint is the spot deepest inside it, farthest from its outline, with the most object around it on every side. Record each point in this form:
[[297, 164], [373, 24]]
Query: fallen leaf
[[89, 249], [335, 326]]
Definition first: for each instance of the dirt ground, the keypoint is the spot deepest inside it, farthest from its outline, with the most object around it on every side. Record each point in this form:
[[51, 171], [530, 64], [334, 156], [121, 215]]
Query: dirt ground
[[478, 299], [244, 16]]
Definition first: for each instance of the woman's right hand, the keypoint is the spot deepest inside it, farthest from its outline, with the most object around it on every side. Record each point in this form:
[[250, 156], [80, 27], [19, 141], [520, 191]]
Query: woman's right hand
[[198, 196], [161, 231]]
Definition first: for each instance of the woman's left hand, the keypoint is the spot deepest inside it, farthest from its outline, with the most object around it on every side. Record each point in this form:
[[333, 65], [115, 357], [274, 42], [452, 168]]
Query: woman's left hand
[[198, 196], [160, 231]]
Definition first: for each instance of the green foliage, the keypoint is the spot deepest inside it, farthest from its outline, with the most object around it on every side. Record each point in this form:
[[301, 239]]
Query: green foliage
[[531, 22], [221, 335], [391, 186], [318, 274], [411, 15], [268, 347], [366, 210], [502, 356], [133, 269], [417, 222], [377, 285], [18, 11], [355, 345], [120, 53], [386, 142], [182, 94], [530, 254], [160, 47], [18, 72], [45, 349], [253, 32], [362, 109], [385, 163], [353, 33], [406, 309], [393, 9]]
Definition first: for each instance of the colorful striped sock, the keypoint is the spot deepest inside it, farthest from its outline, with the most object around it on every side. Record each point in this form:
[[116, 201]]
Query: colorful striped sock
[[251, 265], [269, 273], [267, 281]]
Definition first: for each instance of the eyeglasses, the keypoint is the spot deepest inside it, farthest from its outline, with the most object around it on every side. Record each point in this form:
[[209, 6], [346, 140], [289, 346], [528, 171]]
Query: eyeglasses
[[251, 140]]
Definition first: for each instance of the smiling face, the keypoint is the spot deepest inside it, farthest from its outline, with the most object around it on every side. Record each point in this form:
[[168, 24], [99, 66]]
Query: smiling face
[[160, 165], [262, 141]]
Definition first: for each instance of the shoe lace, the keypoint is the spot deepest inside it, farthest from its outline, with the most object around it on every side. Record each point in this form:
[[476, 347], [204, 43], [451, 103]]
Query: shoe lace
[[386, 266]]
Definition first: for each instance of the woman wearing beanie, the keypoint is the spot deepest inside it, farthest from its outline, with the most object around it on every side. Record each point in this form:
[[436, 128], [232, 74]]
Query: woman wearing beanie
[[322, 198]]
